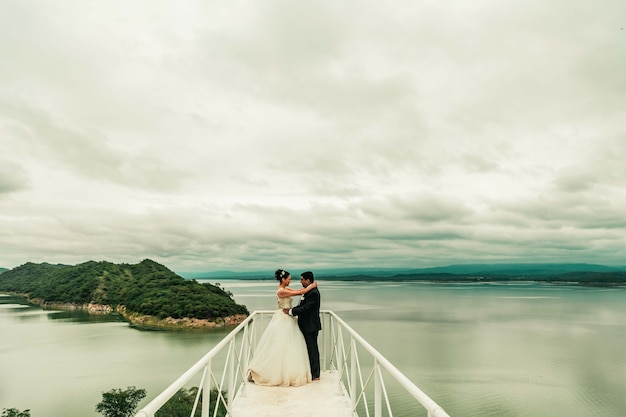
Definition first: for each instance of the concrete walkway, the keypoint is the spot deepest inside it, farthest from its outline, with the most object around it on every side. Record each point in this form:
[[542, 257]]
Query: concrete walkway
[[322, 398]]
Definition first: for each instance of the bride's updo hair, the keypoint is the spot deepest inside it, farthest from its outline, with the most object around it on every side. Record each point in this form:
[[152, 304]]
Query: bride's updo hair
[[280, 274]]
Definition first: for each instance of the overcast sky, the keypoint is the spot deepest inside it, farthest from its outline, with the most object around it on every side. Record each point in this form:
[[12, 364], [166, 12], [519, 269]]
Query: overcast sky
[[255, 135]]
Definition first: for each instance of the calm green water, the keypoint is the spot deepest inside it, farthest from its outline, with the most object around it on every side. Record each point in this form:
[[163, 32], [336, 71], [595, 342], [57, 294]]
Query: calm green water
[[477, 349]]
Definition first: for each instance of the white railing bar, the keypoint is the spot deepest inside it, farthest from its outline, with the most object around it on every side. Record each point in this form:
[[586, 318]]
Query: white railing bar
[[434, 410], [362, 393], [206, 392], [377, 391], [221, 385], [382, 383], [219, 398], [243, 354], [363, 386], [239, 369], [323, 349], [195, 403], [230, 367], [340, 349], [353, 365], [169, 392]]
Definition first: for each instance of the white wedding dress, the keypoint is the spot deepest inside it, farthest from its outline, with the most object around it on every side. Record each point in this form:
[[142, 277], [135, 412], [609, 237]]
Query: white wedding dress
[[281, 357]]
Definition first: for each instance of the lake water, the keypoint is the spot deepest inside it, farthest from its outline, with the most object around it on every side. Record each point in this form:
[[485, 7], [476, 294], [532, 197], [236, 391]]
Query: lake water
[[501, 350]]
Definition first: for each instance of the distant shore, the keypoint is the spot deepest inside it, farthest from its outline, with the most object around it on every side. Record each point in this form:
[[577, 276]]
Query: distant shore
[[609, 279]]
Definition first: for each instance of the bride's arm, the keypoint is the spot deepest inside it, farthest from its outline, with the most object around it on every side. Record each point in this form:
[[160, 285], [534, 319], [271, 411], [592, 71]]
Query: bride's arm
[[288, 292]]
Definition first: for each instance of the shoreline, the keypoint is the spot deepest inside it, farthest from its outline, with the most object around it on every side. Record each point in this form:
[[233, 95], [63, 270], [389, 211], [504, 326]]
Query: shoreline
[[138, 320]]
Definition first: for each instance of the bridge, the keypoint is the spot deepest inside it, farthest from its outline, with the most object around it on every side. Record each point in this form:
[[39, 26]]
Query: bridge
[[356, 380]]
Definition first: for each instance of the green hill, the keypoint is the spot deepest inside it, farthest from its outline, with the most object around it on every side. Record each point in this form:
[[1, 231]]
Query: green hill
[[139, 291]]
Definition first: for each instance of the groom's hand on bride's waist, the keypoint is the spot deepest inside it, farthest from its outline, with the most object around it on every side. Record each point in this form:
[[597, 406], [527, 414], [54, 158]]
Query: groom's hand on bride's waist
[[286, 310]]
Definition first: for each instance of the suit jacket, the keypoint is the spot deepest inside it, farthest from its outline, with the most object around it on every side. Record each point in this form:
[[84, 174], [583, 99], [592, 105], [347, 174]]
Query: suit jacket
[[308, 312]]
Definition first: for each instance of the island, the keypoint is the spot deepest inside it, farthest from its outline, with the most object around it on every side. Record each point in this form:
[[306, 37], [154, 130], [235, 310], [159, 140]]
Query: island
[[147, 294]]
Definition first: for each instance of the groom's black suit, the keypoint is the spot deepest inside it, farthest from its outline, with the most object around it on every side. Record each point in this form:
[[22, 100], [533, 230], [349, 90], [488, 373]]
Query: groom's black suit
[[308, 312]]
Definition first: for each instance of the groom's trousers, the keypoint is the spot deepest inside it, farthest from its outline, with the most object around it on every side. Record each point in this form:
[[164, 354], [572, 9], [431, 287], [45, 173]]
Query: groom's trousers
[[310, 338]]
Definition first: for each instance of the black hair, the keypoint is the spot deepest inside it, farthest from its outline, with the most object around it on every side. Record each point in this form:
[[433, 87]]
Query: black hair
[[309, 276], [280, 274]]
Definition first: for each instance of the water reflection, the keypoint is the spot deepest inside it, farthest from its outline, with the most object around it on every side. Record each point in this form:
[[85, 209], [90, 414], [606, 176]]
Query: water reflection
[[83, 317]]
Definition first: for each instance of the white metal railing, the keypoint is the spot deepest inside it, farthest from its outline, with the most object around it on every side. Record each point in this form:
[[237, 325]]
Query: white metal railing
[[361, 368], [346, 349]]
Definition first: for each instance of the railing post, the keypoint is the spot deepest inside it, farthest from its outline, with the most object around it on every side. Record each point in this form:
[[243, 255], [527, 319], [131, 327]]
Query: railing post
[[352, 371], [255, 332], [245, 351], [377, 390], [324, 341], [206, 390], [340, 348], [231, 373]]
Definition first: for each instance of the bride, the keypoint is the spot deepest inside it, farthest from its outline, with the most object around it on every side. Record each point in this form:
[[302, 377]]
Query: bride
[[281, 357]]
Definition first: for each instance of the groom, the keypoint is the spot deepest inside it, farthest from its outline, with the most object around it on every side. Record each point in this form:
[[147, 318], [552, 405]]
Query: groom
[[308, 312]]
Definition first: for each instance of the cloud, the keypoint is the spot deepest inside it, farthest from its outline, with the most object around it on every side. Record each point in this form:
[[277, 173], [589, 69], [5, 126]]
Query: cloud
[[241, 136], [85, 153], [12, 177]]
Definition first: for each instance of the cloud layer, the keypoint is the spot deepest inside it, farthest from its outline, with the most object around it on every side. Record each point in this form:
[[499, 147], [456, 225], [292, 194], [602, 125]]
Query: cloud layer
[[249, 136]]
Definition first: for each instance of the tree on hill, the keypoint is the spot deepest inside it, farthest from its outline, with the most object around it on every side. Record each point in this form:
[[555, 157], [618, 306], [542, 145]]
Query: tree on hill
[[14, 412], [146, 288]]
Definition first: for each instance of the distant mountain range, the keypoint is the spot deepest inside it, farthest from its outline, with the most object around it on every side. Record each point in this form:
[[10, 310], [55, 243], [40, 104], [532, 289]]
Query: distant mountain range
[[582, 273], [513, 270]]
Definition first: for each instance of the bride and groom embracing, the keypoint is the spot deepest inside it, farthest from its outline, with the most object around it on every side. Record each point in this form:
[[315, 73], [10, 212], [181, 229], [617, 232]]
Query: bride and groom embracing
[[287, 353]]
